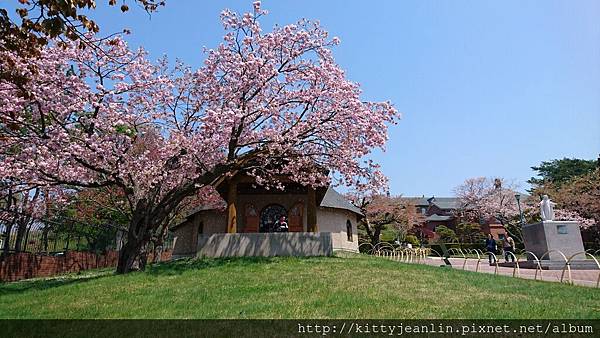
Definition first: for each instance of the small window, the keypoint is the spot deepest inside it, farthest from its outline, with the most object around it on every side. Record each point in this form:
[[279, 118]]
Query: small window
[[501, 237], [349, 230]]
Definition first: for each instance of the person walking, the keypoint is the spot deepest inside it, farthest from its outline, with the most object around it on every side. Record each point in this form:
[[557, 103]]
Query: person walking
[[490, 246], [508, 245]]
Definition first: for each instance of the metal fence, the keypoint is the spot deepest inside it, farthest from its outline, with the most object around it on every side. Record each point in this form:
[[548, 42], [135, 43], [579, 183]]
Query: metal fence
[[40, 237], [471, 259], [46, 238]]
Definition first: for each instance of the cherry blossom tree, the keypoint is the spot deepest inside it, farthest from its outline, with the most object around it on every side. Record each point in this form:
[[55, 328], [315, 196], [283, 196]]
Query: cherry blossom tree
[[382, 212], [267, 104], [492, 200]]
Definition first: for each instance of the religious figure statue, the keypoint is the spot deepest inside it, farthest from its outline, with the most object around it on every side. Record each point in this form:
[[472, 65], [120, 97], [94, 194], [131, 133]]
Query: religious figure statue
[[547, 208]]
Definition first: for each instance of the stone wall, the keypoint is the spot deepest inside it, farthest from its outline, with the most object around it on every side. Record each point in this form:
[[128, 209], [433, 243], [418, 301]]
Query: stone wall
[[334, 221], [186, 235], [265, 244]]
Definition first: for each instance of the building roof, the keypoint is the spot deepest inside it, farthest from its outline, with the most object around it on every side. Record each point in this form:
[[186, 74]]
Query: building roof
[[203, 208], [334, 199], [436, 217], [446, 203]]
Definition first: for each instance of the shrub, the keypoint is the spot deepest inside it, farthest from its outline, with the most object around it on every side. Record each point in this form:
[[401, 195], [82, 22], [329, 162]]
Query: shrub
[[412, 239], [445, 234]]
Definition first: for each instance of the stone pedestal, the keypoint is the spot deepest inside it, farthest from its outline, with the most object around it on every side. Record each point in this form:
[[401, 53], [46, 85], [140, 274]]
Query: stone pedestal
[[545, 236]]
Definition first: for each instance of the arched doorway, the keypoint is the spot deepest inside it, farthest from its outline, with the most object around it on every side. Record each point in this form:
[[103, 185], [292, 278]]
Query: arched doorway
[[269, 215]]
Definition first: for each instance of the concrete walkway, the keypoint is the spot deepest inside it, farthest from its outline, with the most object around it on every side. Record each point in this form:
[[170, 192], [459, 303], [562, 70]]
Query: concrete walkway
[[578, 277]]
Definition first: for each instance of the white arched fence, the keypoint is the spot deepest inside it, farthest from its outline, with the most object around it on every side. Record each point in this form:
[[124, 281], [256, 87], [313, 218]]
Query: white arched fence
[[423, 255]]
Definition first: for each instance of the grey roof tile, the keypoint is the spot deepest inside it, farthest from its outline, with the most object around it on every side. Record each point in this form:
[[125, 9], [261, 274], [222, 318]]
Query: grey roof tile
[[436, 217], [334, 199]]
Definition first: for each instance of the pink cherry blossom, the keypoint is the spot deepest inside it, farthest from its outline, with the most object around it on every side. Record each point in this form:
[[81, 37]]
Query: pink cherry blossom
[[265, 103], [494, 200]]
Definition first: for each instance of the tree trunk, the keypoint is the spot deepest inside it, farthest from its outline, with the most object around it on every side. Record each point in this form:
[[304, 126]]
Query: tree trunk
[[21, 229], [369, 230], [6, 246], [149, 214], [137, 238], [376, 236], [127, 256], [144, 221], [143, 258]]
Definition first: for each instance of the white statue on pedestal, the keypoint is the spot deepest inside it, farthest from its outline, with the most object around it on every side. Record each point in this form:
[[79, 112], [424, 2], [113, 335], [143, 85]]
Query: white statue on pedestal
[[547, 208]]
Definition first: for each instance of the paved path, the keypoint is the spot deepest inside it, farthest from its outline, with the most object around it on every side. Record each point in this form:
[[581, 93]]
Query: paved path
[[578, 277]]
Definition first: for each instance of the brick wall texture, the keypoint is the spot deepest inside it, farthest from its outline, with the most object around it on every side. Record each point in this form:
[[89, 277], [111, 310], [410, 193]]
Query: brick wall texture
[[27, 265]]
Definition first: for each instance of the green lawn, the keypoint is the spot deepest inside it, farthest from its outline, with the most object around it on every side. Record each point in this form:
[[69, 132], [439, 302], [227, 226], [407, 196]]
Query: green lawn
[[334, 287]]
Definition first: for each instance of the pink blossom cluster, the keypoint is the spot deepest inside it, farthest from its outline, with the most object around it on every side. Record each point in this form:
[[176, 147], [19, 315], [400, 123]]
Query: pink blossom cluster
[[568, 215], [488, 198], [270, 104]]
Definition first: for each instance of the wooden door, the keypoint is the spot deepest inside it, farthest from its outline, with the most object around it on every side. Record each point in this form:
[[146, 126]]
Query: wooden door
[[251, 218], [295, 218]]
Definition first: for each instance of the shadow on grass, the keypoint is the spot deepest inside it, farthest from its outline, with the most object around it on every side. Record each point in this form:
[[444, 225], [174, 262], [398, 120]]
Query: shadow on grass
[[180, 266], [176, 267], [48, 283]]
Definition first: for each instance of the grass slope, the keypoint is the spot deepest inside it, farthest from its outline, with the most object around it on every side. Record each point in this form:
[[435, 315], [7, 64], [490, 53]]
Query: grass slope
[[321, 287]]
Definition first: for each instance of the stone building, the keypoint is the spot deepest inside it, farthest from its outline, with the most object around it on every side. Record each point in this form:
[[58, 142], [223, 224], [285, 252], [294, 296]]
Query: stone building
[[319, 221]]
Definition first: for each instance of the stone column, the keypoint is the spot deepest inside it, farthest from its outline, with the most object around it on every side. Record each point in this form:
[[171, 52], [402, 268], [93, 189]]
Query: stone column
[[231, 207], [311, 210]]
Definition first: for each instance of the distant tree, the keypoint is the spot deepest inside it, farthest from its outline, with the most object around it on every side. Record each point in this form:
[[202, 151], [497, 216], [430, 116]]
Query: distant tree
[[469, 232], [409, 218], [445, 234], [574, 185], [384, 212], [380, 212], [486, 199], [579, 195], [560, 171], [93, 214]]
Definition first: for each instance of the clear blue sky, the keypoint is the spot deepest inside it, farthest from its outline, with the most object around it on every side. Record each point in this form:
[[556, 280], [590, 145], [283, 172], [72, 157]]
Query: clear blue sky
[[486, 88]]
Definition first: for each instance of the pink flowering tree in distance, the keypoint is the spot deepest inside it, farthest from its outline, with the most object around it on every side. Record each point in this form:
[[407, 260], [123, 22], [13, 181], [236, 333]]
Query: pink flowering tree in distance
[[493, 200], [267, 104]]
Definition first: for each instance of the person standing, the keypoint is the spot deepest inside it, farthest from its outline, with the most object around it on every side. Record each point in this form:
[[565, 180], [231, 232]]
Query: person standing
[[508, 245], [281, 225], [490, 246]]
